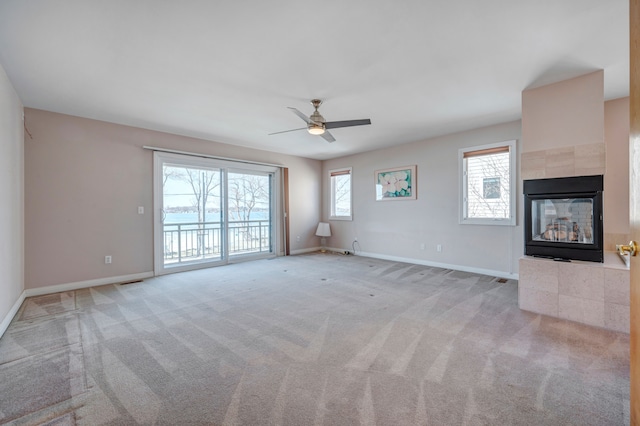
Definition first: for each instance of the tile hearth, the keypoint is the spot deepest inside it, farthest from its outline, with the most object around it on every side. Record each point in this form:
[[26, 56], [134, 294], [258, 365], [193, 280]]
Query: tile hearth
[[586, 292]]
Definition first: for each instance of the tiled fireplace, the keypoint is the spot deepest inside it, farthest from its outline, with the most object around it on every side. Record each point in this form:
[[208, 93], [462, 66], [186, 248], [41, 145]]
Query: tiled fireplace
[[569, 269], [567, 226]]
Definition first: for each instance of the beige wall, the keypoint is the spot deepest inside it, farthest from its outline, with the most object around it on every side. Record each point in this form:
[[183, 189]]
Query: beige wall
[[564, 114], [11, 200], [84, 180], [616, 178], [396, 229]]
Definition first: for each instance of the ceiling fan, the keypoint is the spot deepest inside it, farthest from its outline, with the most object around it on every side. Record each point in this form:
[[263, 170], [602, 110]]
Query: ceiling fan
[[316, 124]]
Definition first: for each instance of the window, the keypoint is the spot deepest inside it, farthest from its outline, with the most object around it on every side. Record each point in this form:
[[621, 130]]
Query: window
[[488, 184], [340, 194]]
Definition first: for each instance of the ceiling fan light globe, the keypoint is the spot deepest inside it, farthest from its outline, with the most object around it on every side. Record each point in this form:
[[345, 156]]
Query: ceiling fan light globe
[[315, 129]]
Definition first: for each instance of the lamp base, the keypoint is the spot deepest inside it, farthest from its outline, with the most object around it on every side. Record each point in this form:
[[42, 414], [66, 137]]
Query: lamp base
[[323, 242]]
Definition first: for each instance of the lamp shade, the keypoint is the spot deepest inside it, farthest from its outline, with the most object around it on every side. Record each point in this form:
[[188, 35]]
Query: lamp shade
[[323, 230]]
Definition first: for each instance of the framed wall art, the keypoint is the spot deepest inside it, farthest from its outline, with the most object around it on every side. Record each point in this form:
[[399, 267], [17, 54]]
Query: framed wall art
[[398, 183]]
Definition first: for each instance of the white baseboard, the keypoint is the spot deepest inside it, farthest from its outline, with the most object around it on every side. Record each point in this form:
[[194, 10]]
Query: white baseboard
[[314, 249], [481, 271], [12, 313], [307, 250], [40, 291]]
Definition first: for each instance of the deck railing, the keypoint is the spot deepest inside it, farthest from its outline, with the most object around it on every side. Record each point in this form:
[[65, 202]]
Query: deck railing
[[186, 242]]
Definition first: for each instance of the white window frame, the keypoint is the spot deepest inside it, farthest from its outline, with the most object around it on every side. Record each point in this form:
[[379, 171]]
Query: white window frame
[[511, 220], [332, 194]]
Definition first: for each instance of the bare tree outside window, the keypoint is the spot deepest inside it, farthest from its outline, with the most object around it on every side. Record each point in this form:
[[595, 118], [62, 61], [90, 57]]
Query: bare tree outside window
[[487, 184], [169, 172], [340, 194], [246, 193], [203, 185], [343, 195], [248, 196]]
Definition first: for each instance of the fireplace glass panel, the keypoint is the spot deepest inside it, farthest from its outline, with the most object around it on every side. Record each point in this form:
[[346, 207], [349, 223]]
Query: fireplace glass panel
[[567, 220]]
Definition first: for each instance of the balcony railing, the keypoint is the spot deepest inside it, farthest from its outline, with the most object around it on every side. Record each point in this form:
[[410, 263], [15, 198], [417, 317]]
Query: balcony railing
[[187, 242]]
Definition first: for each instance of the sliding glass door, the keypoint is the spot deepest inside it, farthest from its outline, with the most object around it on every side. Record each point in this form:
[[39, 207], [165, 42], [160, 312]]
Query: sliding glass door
[[249, 212], [211, 212], [192, 219]]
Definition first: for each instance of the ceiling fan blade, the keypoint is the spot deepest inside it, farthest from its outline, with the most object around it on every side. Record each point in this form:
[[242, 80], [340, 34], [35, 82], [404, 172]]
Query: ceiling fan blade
[[348, 123], [328, 137], [301, 115], [286, 131]]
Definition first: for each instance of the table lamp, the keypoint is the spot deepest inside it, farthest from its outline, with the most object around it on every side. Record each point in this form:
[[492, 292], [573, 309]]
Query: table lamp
[[323, 231]]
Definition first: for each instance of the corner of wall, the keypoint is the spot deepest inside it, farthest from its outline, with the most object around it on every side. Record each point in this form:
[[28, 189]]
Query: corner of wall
[[11, 201]]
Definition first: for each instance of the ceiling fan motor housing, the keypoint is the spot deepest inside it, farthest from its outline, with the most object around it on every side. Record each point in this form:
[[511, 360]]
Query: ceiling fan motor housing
[[316, 121], [317, 118]]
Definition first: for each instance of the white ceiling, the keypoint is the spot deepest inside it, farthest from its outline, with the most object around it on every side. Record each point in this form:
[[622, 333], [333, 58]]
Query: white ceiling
[[227, 70]]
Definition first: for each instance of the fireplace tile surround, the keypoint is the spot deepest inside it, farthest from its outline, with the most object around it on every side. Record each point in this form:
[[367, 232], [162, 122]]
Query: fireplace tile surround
[[590, 293], [580, 160], [569, 130]]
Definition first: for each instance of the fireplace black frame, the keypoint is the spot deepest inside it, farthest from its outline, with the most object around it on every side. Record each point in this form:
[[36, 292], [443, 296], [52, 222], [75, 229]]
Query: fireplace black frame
[[560, 188]]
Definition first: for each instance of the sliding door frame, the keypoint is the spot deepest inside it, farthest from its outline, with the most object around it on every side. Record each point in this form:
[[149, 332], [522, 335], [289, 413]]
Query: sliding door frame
[[159, 158]]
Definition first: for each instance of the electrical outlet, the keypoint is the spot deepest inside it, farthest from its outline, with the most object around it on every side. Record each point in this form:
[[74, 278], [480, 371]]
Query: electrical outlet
[[107, 260], [298, 238], [439, 248], [422, 246], [140, 210]]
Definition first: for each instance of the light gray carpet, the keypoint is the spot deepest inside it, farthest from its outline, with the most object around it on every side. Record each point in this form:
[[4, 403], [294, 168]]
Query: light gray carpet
[[318, 339]]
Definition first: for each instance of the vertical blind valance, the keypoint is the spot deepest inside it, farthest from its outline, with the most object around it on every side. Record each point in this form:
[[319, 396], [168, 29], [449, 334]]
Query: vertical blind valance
[[215, 157]]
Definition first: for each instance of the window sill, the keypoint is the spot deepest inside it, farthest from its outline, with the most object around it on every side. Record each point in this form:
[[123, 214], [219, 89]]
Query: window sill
[[490, 222], [347, 218]]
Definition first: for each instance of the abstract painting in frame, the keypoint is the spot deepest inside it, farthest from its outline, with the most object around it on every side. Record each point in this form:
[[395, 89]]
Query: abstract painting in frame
[[398, 183]]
